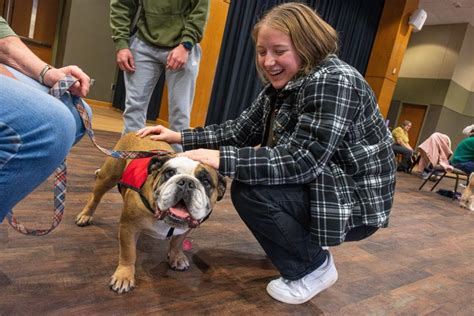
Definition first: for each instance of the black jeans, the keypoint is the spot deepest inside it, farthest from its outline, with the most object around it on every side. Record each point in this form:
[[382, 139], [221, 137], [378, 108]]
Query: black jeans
[[278, 216], [406, 153]]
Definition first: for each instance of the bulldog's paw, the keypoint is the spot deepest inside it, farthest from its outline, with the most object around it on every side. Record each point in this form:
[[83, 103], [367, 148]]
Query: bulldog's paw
[[123, 280], [83, 220], [178, 261]]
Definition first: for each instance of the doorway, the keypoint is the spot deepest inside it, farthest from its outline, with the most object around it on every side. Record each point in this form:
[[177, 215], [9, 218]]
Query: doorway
[[416, 115], [35, 22]]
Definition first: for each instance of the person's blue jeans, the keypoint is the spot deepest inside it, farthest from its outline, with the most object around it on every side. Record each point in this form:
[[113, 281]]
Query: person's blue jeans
[[36, 133], [467, 166]]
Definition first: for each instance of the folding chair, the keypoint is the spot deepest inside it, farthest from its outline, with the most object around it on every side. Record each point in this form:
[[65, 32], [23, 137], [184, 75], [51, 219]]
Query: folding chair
[[454, 174]]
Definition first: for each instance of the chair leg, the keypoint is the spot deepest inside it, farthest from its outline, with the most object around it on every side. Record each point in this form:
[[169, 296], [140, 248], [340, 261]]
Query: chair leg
[[426, 180], [456, 186], [438, 181]]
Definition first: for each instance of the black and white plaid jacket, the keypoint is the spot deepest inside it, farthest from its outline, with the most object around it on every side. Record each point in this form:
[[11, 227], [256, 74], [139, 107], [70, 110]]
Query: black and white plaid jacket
[[328, 134]]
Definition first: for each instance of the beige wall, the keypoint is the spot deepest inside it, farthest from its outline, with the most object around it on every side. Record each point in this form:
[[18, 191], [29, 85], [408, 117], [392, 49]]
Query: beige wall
[[464, 71], [86, 42], [440, 57], [433, 52], [438, 71]]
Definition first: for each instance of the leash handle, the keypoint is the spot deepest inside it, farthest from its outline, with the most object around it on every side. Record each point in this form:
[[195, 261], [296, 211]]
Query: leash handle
[[60, 183], [60, 186]]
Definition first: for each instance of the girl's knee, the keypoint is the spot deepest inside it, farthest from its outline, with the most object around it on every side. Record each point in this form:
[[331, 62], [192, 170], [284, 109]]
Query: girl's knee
[[238, 193], [247, 199]]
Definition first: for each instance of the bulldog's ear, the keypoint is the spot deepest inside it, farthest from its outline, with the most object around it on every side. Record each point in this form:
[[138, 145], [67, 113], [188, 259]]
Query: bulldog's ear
[[221, 186], [157, 162]]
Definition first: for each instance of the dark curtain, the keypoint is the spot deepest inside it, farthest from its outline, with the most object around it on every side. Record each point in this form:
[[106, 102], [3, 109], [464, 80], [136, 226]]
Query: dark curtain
[[236, 83], [155, 101]]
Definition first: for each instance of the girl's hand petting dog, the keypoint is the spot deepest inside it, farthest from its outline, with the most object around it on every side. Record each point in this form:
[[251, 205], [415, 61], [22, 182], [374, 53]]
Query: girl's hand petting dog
[[209, 157], [160, 133]]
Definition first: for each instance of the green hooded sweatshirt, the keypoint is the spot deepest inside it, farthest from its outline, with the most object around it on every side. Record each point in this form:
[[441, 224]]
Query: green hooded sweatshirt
[[162, 23], [5, 30]]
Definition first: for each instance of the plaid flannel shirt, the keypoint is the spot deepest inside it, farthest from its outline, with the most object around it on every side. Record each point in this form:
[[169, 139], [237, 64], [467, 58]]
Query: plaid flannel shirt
[[329, 134]]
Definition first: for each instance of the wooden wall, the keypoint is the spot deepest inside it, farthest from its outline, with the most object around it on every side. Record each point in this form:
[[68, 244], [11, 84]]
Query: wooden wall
[[42, 41], [388, 50]]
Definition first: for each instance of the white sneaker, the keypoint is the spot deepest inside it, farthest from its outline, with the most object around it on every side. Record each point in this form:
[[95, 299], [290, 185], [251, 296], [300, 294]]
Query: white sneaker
[[302, 290]]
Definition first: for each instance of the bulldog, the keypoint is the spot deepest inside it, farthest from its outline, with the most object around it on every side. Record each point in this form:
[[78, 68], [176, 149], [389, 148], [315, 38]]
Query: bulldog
[[467, 197], [175, 195]]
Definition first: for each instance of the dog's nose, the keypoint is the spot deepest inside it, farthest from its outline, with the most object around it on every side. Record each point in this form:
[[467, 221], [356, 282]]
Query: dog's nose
[[186, 184]]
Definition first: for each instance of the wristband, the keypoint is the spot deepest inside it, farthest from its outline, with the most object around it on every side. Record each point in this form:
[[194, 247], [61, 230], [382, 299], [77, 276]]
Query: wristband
[[43, 73], [187, 45]]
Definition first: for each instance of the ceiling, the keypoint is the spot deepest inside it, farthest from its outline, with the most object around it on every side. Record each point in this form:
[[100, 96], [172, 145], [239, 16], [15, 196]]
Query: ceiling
[[448, 11]]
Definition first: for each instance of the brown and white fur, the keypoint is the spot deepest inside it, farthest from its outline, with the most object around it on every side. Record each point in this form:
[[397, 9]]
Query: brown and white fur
[[467, 197], [180, 191]]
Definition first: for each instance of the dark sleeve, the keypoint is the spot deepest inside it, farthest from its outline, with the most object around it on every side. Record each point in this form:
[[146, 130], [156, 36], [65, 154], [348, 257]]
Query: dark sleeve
[[195, 22], [326, 110]]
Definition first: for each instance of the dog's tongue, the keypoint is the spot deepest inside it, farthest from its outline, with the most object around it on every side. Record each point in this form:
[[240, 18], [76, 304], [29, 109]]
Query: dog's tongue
[[180, 210]]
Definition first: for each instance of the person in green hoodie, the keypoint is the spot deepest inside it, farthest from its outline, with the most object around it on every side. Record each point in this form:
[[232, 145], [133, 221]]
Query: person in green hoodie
[[167, 39], [463, 156]]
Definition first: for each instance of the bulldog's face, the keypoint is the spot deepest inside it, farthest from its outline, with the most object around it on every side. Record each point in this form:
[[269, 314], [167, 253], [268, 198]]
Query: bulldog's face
[[184, 190]]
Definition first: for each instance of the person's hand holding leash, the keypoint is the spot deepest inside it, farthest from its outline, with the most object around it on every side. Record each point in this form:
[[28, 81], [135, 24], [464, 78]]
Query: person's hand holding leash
[[80, 88]]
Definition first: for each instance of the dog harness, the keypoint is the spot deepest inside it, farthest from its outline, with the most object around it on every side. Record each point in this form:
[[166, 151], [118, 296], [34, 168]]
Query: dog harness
[[135, 175]]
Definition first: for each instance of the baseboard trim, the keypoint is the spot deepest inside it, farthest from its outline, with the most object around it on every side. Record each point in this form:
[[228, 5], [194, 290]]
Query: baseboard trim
[[160, 122], [98, 103]]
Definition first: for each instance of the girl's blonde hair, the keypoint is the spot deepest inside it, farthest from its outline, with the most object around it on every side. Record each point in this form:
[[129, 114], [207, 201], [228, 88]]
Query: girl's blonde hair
[[312, 37]]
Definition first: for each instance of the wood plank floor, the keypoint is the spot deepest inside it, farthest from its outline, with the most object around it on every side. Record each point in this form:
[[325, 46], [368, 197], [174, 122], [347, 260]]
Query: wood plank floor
[[421, 265]]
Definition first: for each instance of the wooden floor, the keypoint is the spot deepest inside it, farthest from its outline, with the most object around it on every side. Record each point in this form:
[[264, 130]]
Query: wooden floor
[[422, 264], [108, 118]]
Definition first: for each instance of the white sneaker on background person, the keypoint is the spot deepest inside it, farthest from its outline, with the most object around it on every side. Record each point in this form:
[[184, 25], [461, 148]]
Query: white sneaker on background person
[[304, 289]]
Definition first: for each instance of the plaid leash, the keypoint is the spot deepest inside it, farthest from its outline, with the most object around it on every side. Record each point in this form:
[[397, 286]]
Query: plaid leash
[[60, 174]]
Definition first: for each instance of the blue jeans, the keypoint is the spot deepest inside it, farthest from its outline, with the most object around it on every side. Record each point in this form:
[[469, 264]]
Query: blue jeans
[[36, 133], [467, 166]]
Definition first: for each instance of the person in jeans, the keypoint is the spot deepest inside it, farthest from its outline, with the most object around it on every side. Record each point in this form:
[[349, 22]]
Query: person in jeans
[[463, 156], [36, 130], [167, 39], [402, 146], [324, 170]]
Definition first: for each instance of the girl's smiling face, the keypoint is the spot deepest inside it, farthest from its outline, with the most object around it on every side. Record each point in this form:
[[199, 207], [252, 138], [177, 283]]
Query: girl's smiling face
[[277, 56]]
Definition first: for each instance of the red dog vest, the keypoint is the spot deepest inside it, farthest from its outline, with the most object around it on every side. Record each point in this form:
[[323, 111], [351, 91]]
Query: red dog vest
[[134, 176]]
